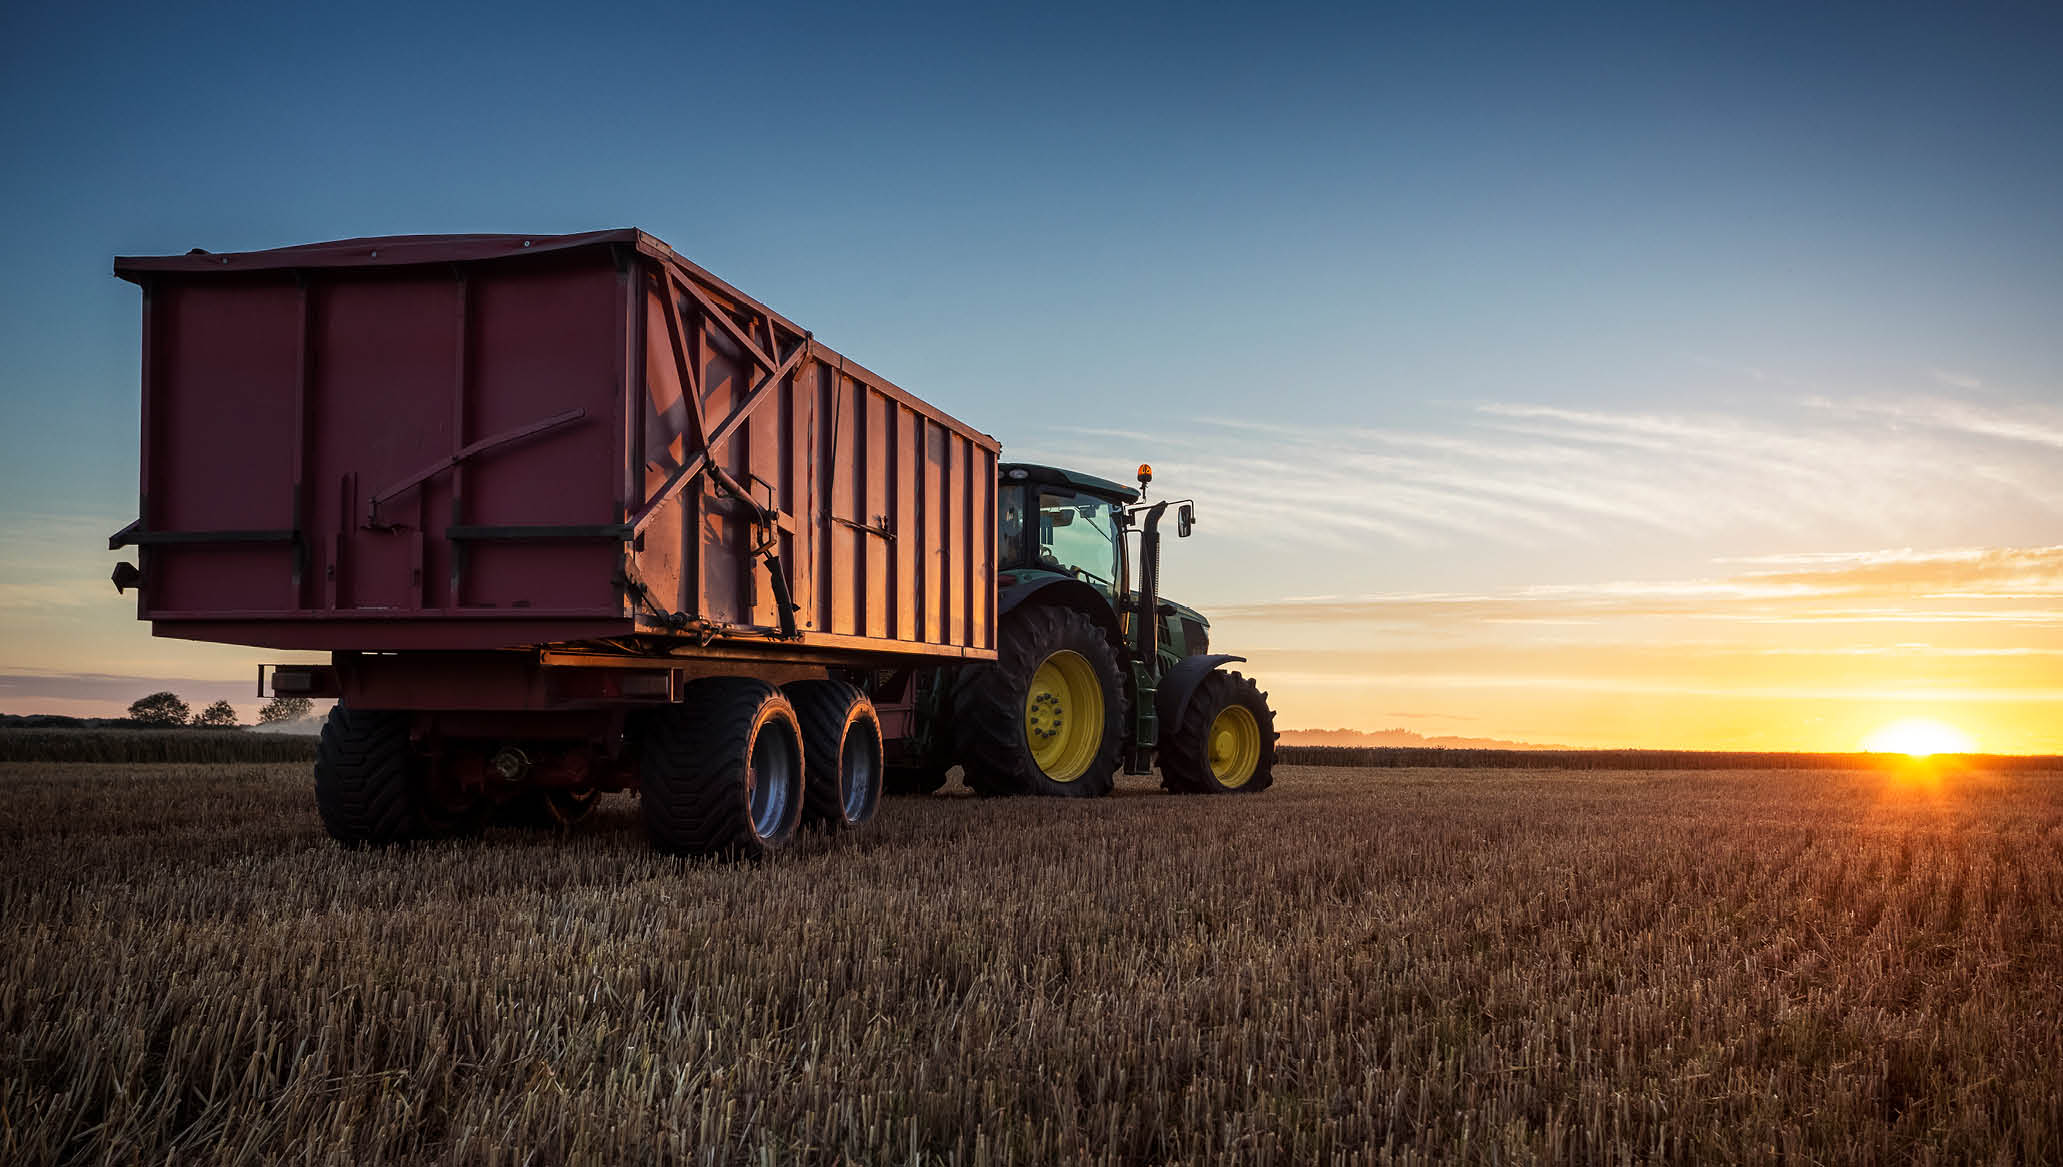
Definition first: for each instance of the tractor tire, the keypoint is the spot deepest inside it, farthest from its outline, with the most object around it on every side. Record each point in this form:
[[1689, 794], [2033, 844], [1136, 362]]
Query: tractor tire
[[841, 748], [721, 774], [1055, 682], [372, 790], [557, 808], [1225, 743], [909, 781]]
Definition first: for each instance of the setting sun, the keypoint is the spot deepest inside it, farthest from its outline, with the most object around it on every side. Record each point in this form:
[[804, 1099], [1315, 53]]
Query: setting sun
[[1919, 737]]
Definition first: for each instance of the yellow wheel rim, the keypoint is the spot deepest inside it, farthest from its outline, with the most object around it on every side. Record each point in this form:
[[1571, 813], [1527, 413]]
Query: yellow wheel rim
[[1063, 716], [1235, 746]]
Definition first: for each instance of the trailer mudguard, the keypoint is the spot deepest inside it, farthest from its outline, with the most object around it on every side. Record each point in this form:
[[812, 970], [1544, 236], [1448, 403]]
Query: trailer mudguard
[[1171, 700]]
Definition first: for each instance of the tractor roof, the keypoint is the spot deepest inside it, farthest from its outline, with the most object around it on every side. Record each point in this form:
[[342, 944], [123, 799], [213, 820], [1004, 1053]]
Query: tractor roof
[[1055, 476]]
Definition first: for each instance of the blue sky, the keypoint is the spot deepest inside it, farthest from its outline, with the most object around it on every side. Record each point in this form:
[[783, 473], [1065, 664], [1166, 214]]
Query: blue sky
[[1423, 300]]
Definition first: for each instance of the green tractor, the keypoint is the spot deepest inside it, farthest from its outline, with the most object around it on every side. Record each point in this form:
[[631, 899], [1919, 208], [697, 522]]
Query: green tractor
[[1094, 670]]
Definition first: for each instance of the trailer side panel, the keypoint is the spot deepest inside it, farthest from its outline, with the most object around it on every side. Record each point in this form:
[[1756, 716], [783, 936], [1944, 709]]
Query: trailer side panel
[[486, 442]]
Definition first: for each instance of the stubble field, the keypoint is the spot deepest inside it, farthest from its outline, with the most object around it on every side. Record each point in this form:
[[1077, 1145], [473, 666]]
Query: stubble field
[[1360, 965]]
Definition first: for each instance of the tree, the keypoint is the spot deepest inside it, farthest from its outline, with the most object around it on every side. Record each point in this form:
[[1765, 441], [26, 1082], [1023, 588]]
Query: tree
[[159, 709], [284, 709], [220, 714]]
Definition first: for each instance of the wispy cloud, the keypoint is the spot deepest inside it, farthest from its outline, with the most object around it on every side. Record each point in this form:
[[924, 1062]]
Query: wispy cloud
[[1970, 585], [40, 595], [2017, 422], [108, 694], [1526, 475]]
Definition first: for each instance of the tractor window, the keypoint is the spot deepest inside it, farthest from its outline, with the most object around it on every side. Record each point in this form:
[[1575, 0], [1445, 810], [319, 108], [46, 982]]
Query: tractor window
[[1076, 534], [1010, 520]]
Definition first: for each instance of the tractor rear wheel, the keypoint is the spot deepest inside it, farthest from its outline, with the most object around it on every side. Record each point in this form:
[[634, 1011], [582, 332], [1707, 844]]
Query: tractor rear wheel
[[372, 788], [722, 772], [1048, 717], [841, 745], [1225, 743]]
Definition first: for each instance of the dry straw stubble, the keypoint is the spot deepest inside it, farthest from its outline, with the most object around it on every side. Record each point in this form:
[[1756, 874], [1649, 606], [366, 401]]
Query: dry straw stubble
[[1363, 965]]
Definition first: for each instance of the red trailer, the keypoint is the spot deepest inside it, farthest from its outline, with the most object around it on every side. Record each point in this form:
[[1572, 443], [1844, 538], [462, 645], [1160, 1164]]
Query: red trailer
[[571, 515]]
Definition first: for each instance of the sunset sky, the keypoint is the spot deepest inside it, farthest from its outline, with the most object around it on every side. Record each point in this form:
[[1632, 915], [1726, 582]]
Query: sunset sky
[[1644, 375]]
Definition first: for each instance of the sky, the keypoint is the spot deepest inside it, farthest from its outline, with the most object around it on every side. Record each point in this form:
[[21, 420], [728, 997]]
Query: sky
[[1643, 375]]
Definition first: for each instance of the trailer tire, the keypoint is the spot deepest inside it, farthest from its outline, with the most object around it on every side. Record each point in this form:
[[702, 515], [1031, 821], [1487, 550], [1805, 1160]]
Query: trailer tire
[[841, 748], [721, 774], [1225, 743], [370, 787], [1062, 654]]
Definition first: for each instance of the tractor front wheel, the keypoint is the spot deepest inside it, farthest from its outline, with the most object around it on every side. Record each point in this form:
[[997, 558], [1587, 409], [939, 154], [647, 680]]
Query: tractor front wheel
[[1225, 743], [1048, 717]]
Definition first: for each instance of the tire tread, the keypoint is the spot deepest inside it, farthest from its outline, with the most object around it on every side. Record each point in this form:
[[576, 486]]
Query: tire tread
[[988, 706], [692, 765], [362, 780], [1184, 755], [827, 710]]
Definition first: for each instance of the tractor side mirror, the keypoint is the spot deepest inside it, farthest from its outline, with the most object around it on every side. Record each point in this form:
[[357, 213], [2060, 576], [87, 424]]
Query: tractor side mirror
[[1185, 521]]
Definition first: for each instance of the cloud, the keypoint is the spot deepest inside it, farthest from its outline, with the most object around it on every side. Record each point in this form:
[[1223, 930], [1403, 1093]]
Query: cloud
[[2019, 422], [44, 595], [1955, 380], [108, 693], [1525, 475], [2014, 585]]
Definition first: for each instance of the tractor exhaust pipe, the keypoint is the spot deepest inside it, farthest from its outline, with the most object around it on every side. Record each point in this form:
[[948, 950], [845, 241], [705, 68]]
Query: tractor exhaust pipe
[[1149, 588]]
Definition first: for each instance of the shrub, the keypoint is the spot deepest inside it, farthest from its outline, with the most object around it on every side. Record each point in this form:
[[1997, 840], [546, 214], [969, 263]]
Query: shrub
[[285, 709], [159, 709]]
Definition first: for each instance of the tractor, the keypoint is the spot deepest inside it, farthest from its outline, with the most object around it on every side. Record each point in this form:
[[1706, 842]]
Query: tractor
[[1095, 670]]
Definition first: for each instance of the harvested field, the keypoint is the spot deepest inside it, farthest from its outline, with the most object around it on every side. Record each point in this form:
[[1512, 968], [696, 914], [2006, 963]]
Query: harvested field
[[153, 746], [1370, 965]]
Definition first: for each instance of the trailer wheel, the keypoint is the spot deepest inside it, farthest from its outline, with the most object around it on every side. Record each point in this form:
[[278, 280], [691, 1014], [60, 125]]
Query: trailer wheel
[[372, 789], [722, 772], [841, 746], [1048, 717], [1225, 743], [913, 780]]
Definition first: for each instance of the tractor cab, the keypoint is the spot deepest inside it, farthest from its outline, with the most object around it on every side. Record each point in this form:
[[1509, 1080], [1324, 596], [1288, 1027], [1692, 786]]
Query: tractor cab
[[1062, 522], [1056, 522]]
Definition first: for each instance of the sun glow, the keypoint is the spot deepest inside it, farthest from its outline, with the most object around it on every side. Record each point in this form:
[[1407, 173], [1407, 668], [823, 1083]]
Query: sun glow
[[1919, 737]]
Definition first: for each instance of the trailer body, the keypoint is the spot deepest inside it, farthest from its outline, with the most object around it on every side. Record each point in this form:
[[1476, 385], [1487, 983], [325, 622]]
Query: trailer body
[[573, 449]]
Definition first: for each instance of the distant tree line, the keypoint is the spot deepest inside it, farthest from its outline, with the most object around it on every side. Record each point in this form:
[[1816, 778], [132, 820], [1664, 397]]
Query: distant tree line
[[168, 709]]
